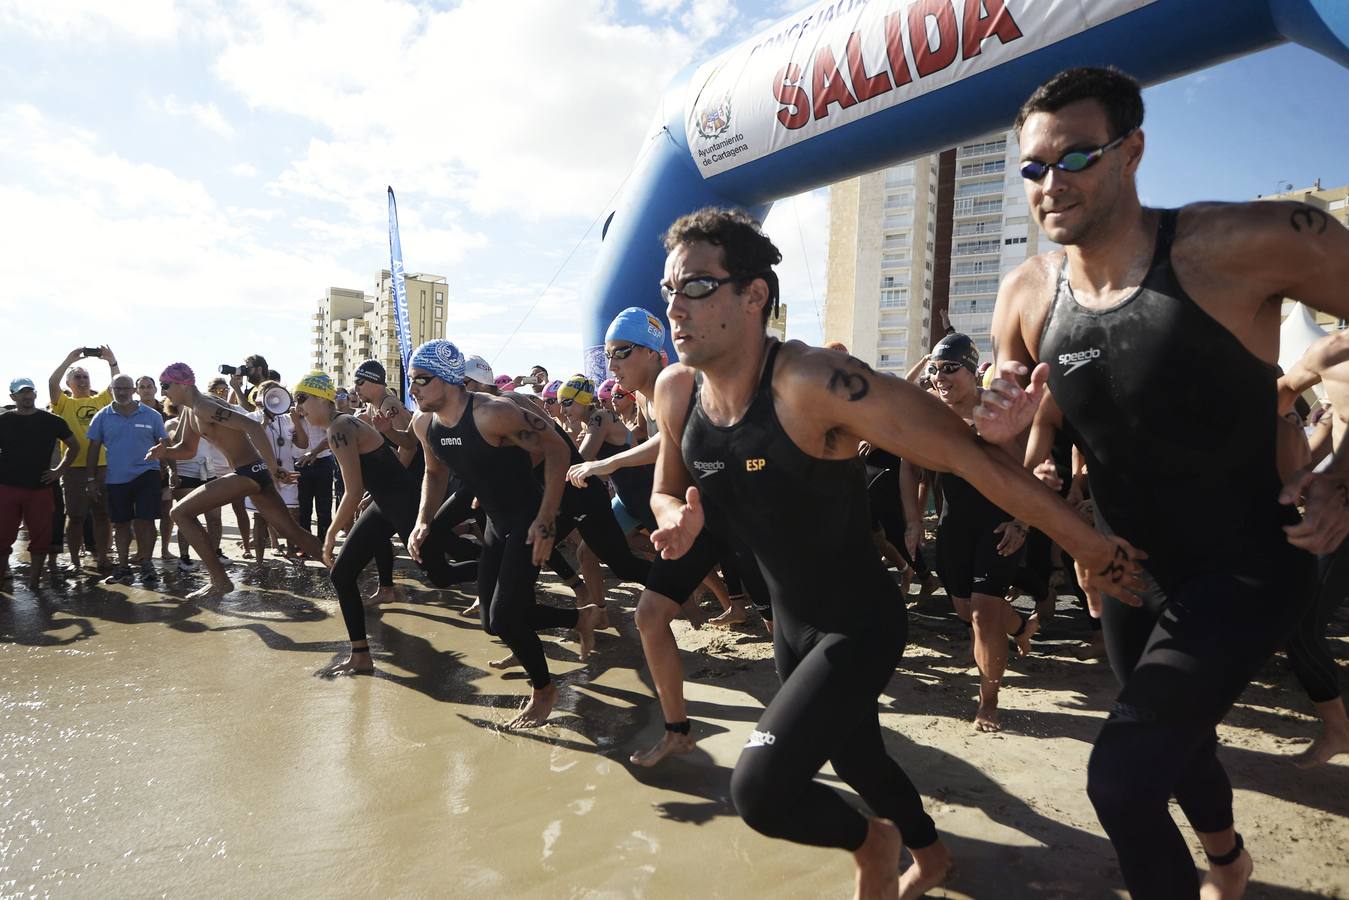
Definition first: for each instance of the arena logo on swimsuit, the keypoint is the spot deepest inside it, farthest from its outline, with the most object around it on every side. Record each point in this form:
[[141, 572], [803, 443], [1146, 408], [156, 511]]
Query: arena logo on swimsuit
[[451, 442]]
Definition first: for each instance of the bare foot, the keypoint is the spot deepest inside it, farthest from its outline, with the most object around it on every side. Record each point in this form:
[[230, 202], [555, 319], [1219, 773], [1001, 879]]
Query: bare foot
[[1227, 882], [986, 718], [165, 554], [587, 620], [1023, 639], [385, 594], [473, 608], [505, 662], [1045, 607], [1093, 649], [1332, 741], [693, 611], [736, 615], [672, 744], [211, 591], [537, 710], [932, 866], [878, 861], [358, 662]]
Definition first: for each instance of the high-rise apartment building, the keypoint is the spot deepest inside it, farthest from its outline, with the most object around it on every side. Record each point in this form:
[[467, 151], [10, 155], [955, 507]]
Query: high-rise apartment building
[[969, 227], [352, 326], [878, 294]]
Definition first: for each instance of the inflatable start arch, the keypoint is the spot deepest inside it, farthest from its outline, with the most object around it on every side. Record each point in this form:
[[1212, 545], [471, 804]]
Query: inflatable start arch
[[850, 86]]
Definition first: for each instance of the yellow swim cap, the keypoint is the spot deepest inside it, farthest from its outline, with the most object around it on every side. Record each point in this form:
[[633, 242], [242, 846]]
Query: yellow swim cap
[[578, 389], [317, 384]]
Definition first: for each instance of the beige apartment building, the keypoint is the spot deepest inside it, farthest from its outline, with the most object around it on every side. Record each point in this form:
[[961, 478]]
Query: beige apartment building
[[878, 292], [931, 235], [1335, 203], [352, 326]]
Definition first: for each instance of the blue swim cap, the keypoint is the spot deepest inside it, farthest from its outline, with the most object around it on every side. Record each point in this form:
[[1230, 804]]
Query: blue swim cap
[[637, 326], [441, 358]]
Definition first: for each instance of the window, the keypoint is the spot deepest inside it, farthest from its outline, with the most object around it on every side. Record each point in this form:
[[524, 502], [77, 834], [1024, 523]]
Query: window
[[440, 296], [1014, 240], [423, 296], [440, 312], [894, 298]]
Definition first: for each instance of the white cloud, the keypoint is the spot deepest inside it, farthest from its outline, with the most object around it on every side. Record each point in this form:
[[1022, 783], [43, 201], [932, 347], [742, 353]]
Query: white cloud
[[243, 170], [544, 123], [204, 114], [92, 20]]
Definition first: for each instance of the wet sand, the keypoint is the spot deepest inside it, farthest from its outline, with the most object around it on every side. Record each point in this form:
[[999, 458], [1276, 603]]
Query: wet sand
[[154, 746]]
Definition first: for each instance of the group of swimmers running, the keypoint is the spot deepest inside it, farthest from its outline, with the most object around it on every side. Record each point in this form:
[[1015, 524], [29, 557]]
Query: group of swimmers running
[[766, 462]]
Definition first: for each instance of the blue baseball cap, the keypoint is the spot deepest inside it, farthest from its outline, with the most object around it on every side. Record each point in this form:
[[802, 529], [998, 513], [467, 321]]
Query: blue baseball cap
[[19, 384], [637, 326]]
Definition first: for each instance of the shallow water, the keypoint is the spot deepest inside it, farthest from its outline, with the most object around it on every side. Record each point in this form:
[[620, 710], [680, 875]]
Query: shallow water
[[150, 746]]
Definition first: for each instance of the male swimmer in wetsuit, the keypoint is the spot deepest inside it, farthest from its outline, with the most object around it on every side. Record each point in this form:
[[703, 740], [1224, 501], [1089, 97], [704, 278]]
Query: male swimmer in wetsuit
[[761, 438], [487, 441], [1125, 329], [256, 473]]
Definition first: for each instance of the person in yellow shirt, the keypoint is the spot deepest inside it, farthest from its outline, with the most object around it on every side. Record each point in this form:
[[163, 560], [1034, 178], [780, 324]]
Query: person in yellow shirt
[[78, 408]]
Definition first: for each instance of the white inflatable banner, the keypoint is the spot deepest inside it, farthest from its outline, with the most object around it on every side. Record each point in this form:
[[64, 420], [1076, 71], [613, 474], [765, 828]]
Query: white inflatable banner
[[843, 60]]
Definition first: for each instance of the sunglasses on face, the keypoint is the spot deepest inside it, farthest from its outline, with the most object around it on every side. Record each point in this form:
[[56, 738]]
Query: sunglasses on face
[[1072, 161], [163, 387], [696, 288], [946, 368], [300, 398], [566, 402], [418, 380], [360, 381], [549, 402], [620, 352]]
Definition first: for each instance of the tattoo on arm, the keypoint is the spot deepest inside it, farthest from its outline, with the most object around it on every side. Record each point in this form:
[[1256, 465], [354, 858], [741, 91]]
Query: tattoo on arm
[[535, 421], [527, 436], [1309, 219], [340, 439], [849, 385], [545, 530], [221, 414]]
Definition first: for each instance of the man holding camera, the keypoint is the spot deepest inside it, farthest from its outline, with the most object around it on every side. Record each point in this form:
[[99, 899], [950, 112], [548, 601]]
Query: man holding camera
[[78, 409], [256, 370]]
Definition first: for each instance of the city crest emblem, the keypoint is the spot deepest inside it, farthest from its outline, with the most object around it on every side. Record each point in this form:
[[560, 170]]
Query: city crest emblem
[[714, 119]]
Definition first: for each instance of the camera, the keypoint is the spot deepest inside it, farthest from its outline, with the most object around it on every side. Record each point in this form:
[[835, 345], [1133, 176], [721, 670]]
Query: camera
[[228, 369], [93, 351]]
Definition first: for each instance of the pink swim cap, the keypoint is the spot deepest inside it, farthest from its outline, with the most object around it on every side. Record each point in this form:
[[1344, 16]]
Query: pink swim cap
[[606, 391], [178, 373], [550, 392], [505, 382]]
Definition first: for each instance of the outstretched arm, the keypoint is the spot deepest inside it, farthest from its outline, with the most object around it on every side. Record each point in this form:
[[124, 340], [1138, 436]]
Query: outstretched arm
[[896, 416], [54, 380]]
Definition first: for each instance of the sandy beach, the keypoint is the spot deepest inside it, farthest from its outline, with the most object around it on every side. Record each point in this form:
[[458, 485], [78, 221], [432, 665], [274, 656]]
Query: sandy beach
[[152, 746]]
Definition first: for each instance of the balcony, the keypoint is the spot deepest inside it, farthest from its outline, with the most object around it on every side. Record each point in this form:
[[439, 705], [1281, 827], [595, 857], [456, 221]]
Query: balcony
[[987, 148], [992, 167], [976, 267], [978, 286], [979, 188], [971, 248], [971, 207]]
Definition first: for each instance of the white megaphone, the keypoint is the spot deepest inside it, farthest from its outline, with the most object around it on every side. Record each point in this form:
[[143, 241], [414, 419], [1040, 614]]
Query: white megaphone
[[277, 400]]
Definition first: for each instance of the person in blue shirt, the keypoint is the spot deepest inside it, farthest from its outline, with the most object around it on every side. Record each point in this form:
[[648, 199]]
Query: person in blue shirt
[[128, 430]]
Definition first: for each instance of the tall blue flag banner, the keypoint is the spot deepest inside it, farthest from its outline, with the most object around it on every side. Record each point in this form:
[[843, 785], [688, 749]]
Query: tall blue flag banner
[[400, 297]]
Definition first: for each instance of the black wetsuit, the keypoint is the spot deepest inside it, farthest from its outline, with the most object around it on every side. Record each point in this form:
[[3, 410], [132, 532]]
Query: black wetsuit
[[503, 481], [1308, 653], [394, 496], [588, 511], [839, 629], [1191, 479], [968, 561]]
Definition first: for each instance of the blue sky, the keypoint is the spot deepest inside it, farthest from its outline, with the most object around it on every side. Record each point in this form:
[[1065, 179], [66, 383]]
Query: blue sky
[[183, 179]]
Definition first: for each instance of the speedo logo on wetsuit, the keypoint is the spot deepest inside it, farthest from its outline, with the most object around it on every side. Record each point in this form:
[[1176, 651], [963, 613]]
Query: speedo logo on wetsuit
[[760, 739], [1075, 361], [707, 468], [452, 442]]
